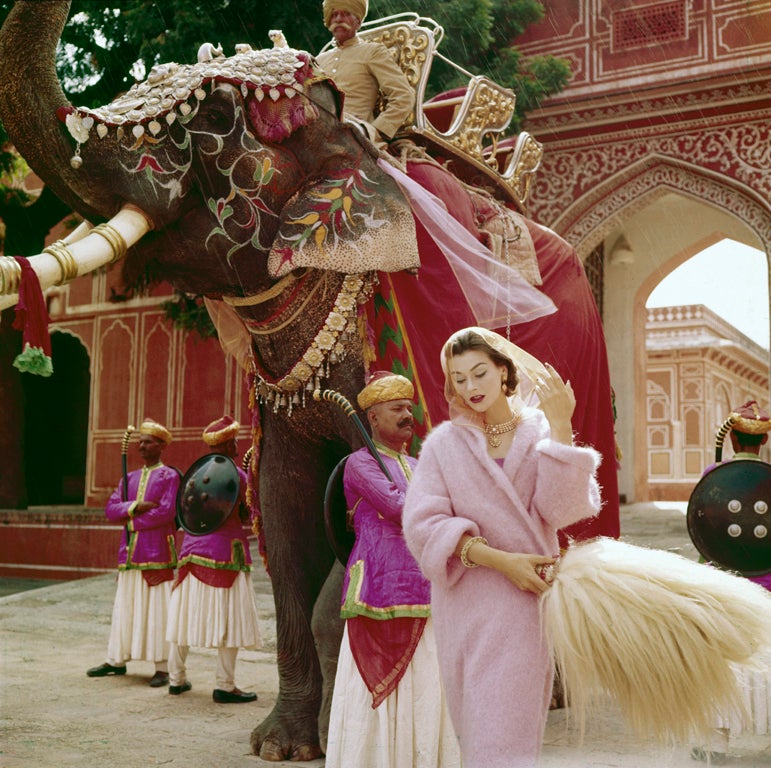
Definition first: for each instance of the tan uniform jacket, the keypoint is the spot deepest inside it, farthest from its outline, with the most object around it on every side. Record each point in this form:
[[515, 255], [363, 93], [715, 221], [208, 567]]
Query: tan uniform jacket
[[360, 70]]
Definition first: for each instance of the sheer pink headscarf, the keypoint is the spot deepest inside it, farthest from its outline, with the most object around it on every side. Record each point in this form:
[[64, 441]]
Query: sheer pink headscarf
[[527, 366]]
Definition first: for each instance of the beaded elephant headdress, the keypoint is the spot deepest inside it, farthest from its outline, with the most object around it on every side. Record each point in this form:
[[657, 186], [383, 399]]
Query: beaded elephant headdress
[[273, 82]]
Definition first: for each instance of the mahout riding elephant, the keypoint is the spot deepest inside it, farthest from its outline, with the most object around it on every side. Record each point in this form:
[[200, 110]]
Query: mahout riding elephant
[[252, 192]]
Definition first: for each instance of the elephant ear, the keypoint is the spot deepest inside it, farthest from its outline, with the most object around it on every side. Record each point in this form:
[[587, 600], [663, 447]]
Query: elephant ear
[[349, 223]]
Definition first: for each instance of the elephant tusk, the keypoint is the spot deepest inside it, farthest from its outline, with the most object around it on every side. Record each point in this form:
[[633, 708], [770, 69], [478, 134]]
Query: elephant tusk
[[78, 233], [83, 251]]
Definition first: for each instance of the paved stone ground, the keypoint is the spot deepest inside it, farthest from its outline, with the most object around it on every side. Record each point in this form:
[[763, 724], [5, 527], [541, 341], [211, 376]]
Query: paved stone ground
[[53, 716], [9, 586]]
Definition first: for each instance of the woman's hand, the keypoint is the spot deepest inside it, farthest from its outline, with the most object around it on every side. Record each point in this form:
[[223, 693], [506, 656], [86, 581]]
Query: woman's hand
[[557, 403], [520, 570]]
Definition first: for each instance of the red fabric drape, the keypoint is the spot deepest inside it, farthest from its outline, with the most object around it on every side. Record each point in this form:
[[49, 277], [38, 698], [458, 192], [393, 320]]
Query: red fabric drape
[[32, 320], [432, 307], [573, 341], [31, 313], [214, 577], [383, 650], [154, 578]]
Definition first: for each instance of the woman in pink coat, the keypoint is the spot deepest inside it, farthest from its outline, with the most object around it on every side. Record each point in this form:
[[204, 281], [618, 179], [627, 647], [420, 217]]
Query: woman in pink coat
[[491, 489]]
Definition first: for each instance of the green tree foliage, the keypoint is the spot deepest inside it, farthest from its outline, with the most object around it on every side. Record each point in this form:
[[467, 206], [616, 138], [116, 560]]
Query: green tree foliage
[[189, 313], [140, 33], [108, 45], [478, 35]]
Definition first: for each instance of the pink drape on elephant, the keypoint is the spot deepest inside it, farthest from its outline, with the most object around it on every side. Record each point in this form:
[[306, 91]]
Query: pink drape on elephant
[[431, 306]]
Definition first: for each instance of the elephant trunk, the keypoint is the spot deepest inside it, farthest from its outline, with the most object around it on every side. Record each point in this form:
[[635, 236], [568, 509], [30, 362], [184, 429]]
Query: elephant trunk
[[30, 94], [82, 252]]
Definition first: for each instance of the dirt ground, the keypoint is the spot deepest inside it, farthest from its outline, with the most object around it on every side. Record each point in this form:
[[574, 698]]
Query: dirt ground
[[53, 716]]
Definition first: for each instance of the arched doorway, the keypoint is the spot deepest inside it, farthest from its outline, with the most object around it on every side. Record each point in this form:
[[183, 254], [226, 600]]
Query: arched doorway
[[707, 348], [654, 234], [56, 426]]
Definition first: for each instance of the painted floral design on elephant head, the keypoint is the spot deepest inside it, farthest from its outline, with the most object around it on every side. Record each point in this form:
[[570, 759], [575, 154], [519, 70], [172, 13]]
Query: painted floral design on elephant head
[[216, 126], [240, 172], [334, 206], [165, 178], [239, 213]]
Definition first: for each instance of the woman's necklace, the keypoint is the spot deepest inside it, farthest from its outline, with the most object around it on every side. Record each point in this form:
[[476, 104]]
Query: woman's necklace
[[494, 431]]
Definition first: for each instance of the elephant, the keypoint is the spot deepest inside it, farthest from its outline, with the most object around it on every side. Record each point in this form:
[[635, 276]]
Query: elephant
[[241, 183]]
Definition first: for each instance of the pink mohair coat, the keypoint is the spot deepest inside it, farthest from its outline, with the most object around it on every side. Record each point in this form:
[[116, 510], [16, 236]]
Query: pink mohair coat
[[495, 662]]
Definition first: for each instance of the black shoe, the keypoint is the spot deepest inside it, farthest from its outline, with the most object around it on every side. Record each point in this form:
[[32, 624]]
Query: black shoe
[[232, 697], [106, 669], [159, 679], [175, 690], [705, 755]]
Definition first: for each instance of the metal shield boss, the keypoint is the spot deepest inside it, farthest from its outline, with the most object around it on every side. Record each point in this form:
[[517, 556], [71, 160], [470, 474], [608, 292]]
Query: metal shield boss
[[729, 516], [207, 494]]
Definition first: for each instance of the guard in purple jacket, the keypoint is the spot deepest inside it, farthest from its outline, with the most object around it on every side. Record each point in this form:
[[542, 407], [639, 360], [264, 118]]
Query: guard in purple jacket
[[212, 603], [146, 560], [749, 426], [388, 706]]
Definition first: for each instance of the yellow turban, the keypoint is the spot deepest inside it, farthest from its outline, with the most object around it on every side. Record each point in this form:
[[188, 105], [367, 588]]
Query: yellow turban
[[384, 386], [357, 7], [154, 429], [220, 431]]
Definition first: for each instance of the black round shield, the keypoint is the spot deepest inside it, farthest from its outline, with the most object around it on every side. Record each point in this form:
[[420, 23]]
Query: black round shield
[[339, 534], [208, 493], [729, 516]]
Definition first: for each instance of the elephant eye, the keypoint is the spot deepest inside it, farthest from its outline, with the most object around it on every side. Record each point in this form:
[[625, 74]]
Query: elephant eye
[[216, 118]]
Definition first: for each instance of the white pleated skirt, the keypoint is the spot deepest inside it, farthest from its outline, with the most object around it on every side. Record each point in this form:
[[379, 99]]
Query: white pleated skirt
[[139, 614], [203, 616], [756, 689], [410, 729]]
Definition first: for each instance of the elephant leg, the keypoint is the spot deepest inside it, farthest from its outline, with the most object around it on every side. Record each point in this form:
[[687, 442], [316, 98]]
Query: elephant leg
[[327, 627], [292, 482]]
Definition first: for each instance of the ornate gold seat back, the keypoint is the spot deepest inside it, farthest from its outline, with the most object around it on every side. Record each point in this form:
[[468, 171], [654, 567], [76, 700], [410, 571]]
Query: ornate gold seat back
[[470, 145], [412, 41]]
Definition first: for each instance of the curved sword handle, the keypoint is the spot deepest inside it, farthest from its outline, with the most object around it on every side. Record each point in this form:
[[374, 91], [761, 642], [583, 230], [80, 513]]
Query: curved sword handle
[[720, 437], [339, 399], [247, 458], [124, 443]]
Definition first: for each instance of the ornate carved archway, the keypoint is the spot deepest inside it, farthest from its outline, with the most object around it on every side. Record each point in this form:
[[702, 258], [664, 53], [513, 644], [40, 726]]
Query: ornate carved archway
[[669, 121], [589, 220]]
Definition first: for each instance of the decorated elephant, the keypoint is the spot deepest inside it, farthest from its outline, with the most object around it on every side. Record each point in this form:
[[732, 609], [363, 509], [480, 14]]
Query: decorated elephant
[[235, 178]]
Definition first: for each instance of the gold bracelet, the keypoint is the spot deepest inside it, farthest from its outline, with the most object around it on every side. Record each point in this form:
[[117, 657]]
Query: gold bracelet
[[467, 546]]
